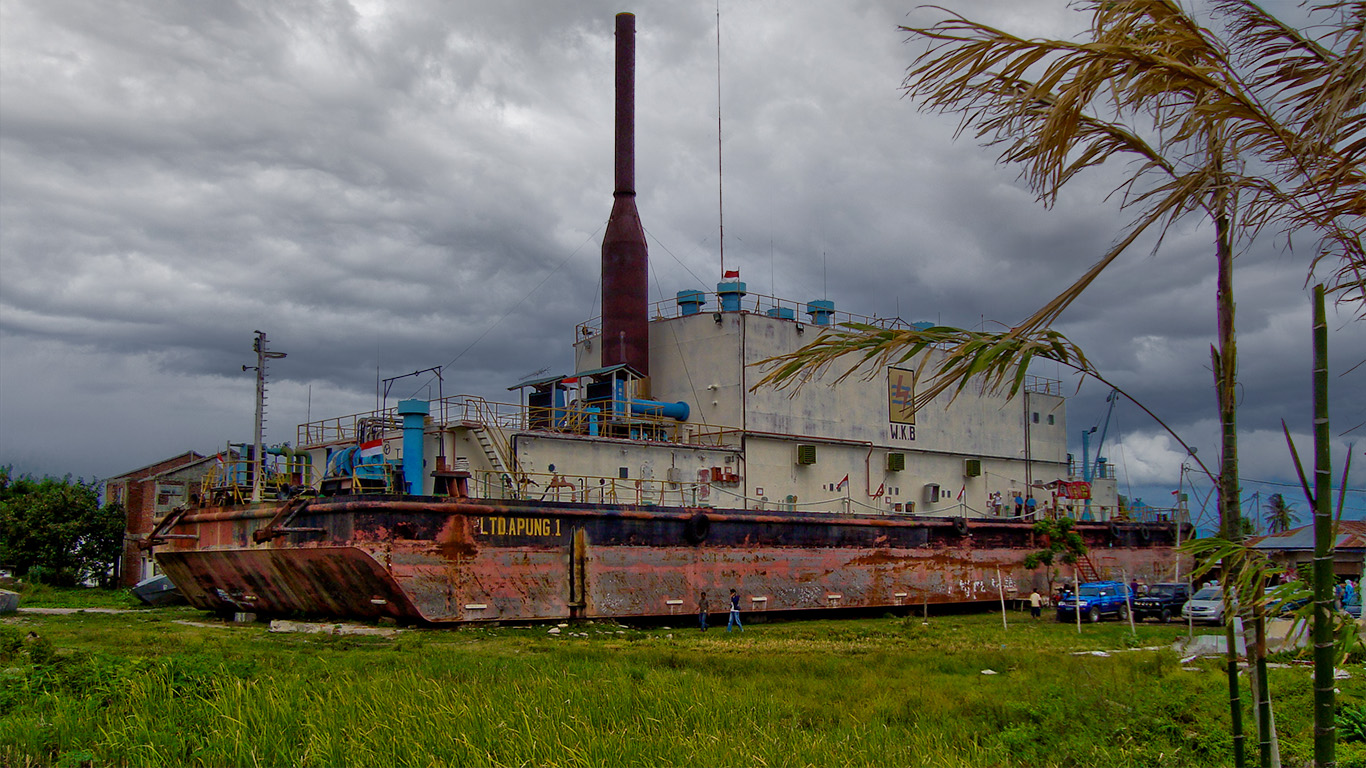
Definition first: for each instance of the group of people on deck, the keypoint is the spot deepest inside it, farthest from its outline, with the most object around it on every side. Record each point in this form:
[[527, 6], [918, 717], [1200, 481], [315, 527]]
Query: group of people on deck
[[704, 607]]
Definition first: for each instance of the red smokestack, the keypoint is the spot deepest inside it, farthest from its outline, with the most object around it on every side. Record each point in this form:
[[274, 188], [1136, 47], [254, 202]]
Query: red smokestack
[[625, 286]]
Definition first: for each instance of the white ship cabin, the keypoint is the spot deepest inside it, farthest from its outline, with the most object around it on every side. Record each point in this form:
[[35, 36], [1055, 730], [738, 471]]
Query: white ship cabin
[[693, 434]]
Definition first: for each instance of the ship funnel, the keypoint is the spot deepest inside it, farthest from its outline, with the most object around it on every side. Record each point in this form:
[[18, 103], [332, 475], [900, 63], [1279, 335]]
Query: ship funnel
[[625, 286]]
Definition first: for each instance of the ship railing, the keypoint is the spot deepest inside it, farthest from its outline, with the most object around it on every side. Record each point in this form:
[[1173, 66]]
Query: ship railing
[[229, 481], [713, 436], [595, 489], [1152, 515], [577, 419], [382, 477], [1099, 470], [590, 489], [759, 303], [1043, 386], [479, 410], [341, 429], [581, 419]]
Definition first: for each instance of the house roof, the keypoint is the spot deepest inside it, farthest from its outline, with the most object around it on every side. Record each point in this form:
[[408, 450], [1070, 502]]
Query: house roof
[[183, 467], [188, 457], [1351, 535]]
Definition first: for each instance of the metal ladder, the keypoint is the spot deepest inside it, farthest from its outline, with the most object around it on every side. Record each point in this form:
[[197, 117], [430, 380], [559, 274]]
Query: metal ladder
[[1086, 568]]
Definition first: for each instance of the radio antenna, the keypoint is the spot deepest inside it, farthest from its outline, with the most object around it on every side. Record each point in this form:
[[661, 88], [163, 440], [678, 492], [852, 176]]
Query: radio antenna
[[720, 198]]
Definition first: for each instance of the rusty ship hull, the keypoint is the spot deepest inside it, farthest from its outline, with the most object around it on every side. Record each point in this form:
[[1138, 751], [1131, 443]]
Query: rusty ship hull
[[438, 560]]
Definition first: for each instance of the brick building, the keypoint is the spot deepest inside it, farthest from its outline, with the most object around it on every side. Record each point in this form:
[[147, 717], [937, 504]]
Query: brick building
[[147, 494]]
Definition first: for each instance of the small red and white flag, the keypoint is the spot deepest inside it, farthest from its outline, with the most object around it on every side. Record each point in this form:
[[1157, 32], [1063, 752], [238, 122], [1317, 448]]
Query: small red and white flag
[[371, 449], [962, 491], [732, 273], [842, 484]]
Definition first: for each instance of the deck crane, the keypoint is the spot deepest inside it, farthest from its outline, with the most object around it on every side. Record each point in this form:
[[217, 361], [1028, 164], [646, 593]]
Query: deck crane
[[1087, 472]]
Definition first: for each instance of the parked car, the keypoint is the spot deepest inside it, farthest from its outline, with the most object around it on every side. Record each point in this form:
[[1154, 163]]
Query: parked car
[[1162, 602], [1206, 605], [1284, 600], [1096, 599]]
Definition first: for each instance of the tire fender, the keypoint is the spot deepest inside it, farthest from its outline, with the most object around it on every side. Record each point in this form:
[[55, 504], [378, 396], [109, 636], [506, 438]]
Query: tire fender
[[696, 528]]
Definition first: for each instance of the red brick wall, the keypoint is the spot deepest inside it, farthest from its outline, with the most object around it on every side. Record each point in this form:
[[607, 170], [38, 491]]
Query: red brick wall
[[139, 500]]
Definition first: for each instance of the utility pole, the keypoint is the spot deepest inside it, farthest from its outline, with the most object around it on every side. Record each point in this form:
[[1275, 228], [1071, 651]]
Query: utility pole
[[257, 461]]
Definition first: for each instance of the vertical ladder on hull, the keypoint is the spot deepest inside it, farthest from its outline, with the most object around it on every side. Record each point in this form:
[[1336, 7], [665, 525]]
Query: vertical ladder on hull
[[578, 577]]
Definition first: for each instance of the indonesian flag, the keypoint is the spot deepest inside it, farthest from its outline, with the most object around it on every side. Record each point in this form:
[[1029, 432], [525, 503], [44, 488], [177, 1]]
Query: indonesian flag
[[371, 449], [732, 273], [961, 491], [842, 483]]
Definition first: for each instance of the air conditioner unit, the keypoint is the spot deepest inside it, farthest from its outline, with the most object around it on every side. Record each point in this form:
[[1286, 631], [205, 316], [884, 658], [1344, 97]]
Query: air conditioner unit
[[806, 454], [972, 468], [896, 462], [931, 493]]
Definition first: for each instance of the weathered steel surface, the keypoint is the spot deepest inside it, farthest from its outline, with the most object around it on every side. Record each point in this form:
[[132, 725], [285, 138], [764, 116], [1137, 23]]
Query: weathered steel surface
[[625, 277], [438, 560]]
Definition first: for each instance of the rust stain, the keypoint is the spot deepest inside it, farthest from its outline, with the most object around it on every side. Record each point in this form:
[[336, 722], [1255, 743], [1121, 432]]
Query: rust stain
[[427, 560]]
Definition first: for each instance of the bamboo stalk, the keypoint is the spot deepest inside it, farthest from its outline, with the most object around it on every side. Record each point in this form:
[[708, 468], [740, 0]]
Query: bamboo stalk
[[1325, 725]]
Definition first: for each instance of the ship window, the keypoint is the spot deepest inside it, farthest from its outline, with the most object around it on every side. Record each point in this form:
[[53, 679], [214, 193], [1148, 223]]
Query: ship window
[[1036, 417], [622, 472], [1050, 419]]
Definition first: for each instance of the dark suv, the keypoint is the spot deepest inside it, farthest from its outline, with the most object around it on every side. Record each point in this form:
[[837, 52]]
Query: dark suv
[[1096, 599], [1162, 602]]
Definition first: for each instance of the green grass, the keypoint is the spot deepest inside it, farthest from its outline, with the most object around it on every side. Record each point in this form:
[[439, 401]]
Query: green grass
[[37, 595], [144, 689]]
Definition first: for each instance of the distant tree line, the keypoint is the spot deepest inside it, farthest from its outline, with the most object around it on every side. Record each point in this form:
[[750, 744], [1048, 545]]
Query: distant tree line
[[56, 531]]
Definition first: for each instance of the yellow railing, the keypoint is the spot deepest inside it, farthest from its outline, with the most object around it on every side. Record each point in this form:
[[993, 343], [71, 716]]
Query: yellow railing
[[230, 482], [568, 419], [540, 486]]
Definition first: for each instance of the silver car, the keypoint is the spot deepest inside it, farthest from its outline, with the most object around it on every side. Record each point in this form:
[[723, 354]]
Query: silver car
[[1206, 605]]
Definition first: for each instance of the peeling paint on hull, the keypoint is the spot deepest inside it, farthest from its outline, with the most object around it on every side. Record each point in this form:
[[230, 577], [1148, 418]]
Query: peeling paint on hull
[[439, 560]]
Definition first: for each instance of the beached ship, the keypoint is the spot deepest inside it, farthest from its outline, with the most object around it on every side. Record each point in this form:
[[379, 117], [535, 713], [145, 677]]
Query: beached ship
[[651, 472]]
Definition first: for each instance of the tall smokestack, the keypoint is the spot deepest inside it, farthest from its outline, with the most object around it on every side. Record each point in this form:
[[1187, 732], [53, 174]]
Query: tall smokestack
[[625, 285]]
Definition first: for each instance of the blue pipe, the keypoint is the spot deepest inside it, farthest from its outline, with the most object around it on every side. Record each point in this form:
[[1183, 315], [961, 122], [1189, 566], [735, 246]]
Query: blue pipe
[[678, 411], [414, 413]]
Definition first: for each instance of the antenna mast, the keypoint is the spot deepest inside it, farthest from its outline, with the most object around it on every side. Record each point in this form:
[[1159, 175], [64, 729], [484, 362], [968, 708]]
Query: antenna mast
[[720, 199], [257, 459]]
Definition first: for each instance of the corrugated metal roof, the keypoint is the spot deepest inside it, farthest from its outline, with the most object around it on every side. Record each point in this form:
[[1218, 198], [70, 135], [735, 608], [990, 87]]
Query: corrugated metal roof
[[1351, 535], [581, 374]]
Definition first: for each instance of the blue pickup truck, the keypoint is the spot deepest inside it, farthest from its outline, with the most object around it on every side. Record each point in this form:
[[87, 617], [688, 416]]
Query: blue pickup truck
[[1096, 600]]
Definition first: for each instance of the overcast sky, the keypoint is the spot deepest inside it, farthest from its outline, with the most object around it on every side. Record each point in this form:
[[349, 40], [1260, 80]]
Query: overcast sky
[[395, 186]]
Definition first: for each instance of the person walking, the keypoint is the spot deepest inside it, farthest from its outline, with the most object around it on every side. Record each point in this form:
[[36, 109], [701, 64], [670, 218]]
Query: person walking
[[1035, 604], [734, 612], [702, 609]]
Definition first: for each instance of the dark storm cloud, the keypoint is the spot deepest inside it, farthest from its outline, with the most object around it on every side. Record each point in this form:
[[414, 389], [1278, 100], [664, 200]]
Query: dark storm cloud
[[396, 186]]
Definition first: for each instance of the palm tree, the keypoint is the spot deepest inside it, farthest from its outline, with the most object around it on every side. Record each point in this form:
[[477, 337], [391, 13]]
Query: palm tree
[[1258, 125], [1280, 514]]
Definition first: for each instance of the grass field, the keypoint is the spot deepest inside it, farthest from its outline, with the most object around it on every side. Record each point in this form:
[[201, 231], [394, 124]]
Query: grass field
[[143, 688]]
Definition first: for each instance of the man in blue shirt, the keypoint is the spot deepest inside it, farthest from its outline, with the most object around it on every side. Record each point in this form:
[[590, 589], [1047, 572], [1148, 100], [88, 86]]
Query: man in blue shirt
[[734, 611]]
